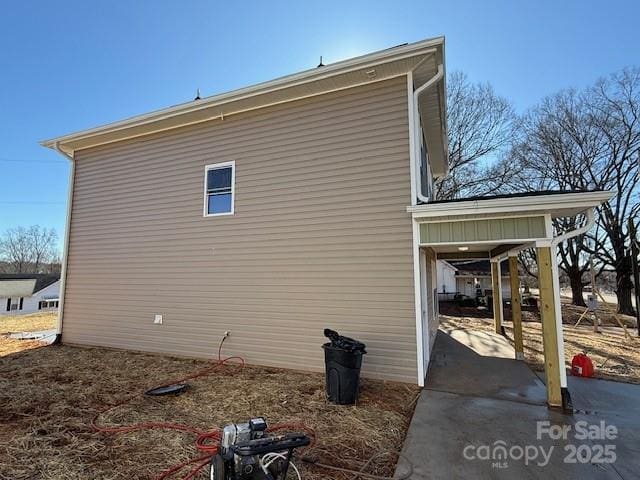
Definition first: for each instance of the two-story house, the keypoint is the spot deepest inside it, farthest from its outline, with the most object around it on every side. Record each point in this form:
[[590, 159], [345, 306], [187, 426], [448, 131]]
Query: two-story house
[[280, 209]]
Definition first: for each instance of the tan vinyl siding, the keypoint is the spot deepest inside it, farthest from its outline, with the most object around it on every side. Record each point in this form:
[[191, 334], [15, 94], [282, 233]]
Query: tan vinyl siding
[[320, 236]]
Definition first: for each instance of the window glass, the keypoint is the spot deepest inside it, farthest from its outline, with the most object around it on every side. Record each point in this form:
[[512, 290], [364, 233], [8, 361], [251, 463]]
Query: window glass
[[219, 179], [220, 203]]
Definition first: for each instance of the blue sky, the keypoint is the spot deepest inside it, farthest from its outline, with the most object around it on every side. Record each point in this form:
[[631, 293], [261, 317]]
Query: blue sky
[[70, 65]]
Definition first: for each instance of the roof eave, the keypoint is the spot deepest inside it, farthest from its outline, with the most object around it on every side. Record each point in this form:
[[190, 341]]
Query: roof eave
[[306, 76]]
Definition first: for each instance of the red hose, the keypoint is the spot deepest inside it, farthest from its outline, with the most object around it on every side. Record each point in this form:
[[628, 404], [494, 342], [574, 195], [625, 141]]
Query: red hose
[[206, 442]]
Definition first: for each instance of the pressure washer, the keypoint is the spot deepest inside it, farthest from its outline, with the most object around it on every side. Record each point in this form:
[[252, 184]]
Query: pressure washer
[[249, 452]]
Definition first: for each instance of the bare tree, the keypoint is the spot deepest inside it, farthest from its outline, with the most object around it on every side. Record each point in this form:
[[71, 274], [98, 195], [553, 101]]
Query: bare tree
[[28, 250], [480, 127], [588, 140], [549, 158], [42, 246], [54, 265], [16, 250], [615, 108]]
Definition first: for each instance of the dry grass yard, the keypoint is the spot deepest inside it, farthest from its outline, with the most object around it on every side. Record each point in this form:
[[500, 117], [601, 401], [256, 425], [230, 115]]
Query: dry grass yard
[[49, 396], [27, 323]]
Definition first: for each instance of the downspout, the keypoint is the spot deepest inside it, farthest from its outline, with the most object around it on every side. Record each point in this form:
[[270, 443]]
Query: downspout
[[63, 272], [591, 219], [416, 183], [416, 94]]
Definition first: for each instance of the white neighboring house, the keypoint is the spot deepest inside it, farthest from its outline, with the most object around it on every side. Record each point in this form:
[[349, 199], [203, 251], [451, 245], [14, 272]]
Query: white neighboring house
[[469, 274], [446, 277], [23, 293]]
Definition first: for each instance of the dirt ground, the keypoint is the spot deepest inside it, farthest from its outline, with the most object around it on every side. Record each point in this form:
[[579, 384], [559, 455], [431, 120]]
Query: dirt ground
[[49, 395], [614, 356], [27, 323]]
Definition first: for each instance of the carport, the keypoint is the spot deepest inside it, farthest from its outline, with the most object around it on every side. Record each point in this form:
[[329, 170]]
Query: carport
[[497, 228]]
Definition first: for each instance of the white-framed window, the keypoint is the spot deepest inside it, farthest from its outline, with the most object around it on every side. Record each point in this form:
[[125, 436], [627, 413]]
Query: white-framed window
[[219, 189]]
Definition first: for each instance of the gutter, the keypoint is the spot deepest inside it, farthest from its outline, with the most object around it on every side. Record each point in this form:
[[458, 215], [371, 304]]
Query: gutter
[[416, 96], [591, 220], [65, 251], [579, 201]]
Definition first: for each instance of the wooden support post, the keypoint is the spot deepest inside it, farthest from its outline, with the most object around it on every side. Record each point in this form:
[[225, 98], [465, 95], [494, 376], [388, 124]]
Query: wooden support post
[[497, 295], [552, 356], [516, 310]]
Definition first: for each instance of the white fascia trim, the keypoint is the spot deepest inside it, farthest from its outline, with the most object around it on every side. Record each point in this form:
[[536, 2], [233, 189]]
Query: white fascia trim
[[552, 202], [417, 292], [365, 61]]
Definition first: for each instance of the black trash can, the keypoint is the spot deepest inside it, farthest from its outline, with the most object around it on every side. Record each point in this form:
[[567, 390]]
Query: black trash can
[[343, 359]]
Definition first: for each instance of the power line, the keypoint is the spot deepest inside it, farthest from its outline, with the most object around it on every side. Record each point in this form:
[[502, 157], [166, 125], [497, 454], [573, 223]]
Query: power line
[[32, 162], [10, 202]]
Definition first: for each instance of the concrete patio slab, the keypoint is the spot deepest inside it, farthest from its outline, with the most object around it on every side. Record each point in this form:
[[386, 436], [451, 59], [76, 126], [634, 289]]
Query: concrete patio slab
[[483, 343], [457, 368], [450, 433], [616, 404], [474, 406]]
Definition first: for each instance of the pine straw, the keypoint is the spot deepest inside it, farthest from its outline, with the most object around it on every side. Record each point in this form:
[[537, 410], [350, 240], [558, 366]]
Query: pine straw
[[28, 323], [49, 395], [614, 356]]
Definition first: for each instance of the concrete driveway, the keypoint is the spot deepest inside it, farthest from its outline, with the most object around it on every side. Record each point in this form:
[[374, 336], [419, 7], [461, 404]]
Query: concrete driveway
[[484, 416]]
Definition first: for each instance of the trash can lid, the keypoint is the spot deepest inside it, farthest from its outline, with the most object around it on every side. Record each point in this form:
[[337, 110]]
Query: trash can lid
[[343, 343]]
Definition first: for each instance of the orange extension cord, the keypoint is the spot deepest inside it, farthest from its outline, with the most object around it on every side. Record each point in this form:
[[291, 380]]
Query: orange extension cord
[[206, 442]]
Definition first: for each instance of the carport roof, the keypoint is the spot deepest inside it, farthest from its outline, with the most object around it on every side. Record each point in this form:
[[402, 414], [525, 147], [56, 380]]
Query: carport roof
[[555, 203], [513, 195], [489, 227]]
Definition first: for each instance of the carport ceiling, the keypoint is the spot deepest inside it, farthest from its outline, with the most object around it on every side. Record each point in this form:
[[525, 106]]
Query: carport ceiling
[[472, 251]]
